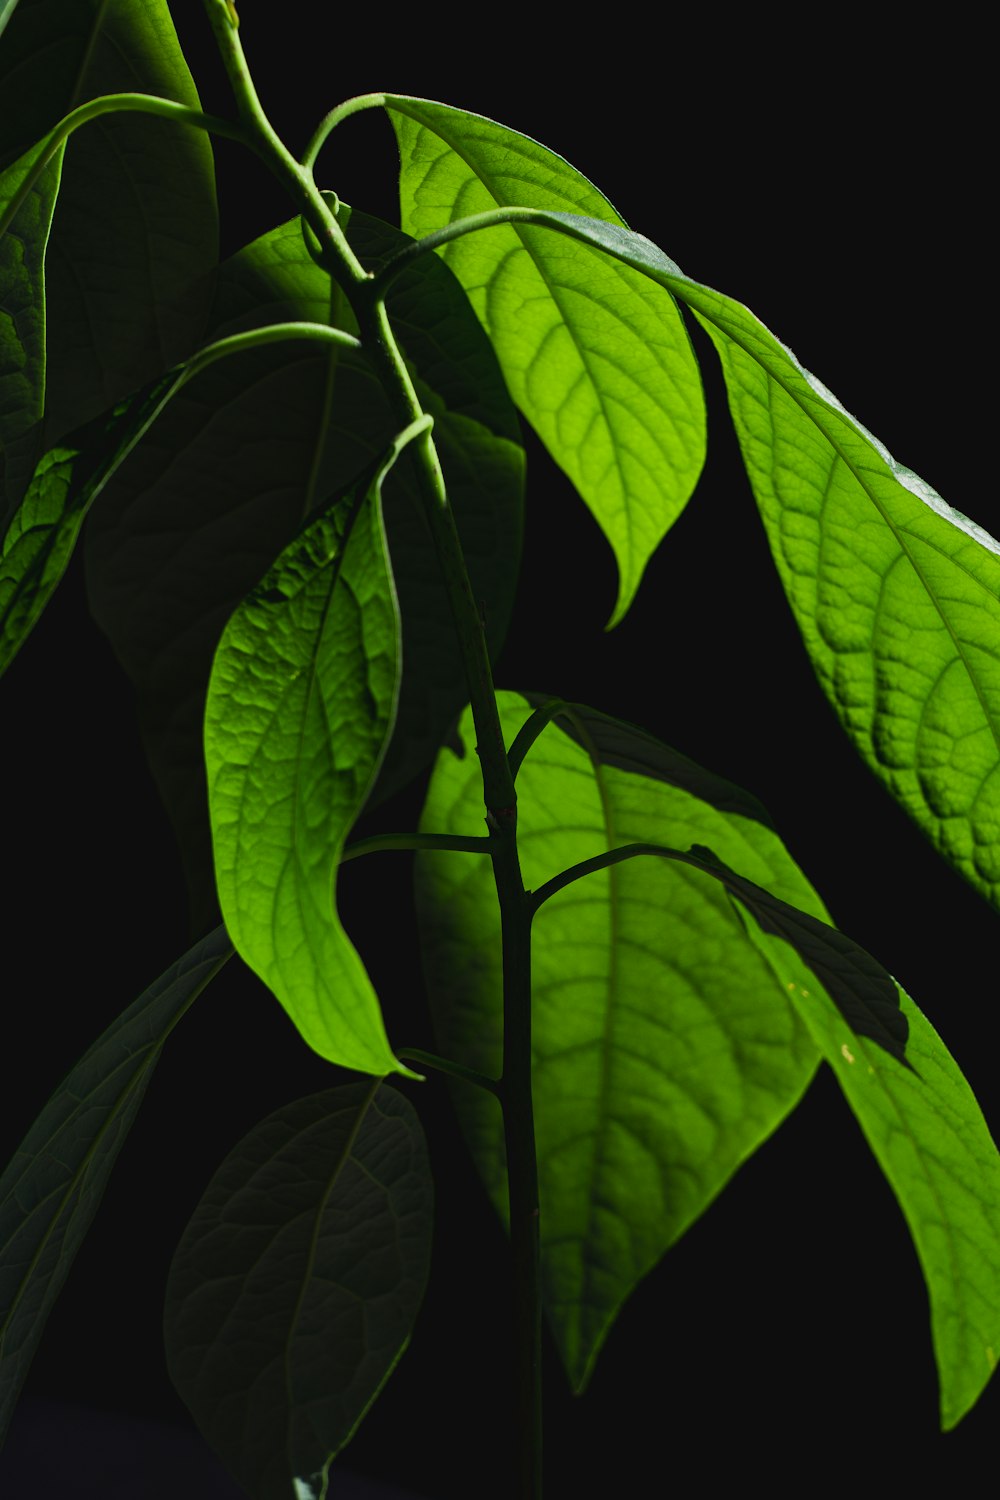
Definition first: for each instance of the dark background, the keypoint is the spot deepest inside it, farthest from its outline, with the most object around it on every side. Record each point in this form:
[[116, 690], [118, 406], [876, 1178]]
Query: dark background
[[838, 191]]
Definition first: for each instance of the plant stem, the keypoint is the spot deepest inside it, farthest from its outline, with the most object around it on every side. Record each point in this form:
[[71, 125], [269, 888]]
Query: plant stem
[[514, 1088]]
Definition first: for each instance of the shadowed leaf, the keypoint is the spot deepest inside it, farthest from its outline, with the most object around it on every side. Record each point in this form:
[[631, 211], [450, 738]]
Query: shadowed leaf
[[53, 1186], [40, 539], [134, 235], [295, 1287]]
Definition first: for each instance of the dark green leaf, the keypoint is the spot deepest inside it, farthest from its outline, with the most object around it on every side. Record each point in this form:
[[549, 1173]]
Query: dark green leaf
[[256, 443], [39, 542], [52, 1188], [22, 320], [300, 706], [134, 234], [295, 1287], [597, 359], [664, 1052], [928, 1134]]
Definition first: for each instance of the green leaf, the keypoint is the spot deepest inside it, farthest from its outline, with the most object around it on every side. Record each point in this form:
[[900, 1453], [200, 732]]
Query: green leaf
[[256, 443], [135, 231], [295, 1287], [928, 1134], [300, 706], [40, 539], [599, 362], [22, 320], [864, 993], [52, 1188], [664, 1052], [897, 594]]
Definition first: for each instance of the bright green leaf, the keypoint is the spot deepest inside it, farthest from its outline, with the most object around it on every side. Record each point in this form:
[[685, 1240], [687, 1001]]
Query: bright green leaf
[[597, 359], [300, 706], [135, 233], [896, 594], [295, 1287], [249, 449], [664, 1052], [928, 1134], [40, 539], [53, 1186]]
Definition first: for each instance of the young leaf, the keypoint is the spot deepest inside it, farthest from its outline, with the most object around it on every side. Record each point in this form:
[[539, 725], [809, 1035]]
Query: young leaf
[[300, 706], [295, 1287], [928, 1134], [664, 1052], [599, 362], [40, 539], [256, 443], [134, 234], [22, 321], [52, 1188]]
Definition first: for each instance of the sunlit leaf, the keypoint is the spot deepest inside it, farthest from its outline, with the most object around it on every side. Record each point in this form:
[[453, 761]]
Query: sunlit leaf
[[295, 1287], [664, 1052], [928, 1133], [897, 594], [134, 235], [53, 1186], [252, 446], [300, 706], [597, 359]]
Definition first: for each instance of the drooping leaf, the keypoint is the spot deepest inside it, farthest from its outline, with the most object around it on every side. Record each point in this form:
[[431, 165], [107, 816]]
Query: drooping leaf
[[294, 1290], [300, 707], [664, 1052], [40, 539], [135, 233], [22, 320], [897, 594], [599, 361], [250, 448], [53, 1186], [928, 1134]]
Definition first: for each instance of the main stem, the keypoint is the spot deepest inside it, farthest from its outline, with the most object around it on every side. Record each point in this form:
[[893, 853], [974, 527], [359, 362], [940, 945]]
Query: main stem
[[514, 1088]]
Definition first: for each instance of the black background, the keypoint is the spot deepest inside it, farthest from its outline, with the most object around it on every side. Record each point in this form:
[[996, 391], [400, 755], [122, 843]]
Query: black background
[[837, 189]]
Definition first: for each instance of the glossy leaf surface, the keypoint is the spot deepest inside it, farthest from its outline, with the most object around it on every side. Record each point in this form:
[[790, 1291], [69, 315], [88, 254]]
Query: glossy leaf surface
[[928, 1134], [664, 1051], [300, 706], [597, 359], [53, 1186], [255, 444], [295, 1287], [134, 235]]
